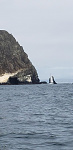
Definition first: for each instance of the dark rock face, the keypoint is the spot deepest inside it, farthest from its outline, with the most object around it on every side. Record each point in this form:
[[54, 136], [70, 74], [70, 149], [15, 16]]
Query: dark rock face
[[14, 59], [13, 81], [51, 80]]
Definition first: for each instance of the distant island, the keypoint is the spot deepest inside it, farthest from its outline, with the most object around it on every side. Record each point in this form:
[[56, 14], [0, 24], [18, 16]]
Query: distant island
[[15, 67]]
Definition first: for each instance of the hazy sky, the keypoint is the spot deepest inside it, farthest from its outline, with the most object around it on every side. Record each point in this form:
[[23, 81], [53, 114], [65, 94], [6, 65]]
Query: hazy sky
[[45, 30]]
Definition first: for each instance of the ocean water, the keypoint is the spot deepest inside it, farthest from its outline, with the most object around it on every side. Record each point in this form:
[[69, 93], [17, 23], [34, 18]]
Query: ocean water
[[36, 117]]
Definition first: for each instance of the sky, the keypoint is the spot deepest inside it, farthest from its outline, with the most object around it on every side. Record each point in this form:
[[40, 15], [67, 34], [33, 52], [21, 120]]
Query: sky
[[45, 30]]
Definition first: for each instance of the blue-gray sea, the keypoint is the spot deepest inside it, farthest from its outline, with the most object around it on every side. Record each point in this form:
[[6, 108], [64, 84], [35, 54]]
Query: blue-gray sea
[[36, 117]]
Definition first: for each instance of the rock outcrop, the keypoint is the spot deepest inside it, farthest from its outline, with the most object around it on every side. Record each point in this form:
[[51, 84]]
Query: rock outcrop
[[15, 67], [51, 80]]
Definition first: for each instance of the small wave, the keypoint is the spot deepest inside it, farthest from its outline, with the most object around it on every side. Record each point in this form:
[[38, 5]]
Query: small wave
[[1, 118], [38, 114]]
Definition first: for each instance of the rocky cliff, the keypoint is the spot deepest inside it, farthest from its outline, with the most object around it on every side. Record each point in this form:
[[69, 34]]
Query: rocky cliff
[[14, 62]]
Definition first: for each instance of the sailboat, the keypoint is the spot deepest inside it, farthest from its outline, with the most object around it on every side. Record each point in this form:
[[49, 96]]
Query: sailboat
[[51, 80]]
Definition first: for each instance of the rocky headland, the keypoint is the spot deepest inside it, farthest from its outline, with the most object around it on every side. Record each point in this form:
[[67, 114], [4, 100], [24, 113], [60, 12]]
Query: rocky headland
[[15, 66]]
